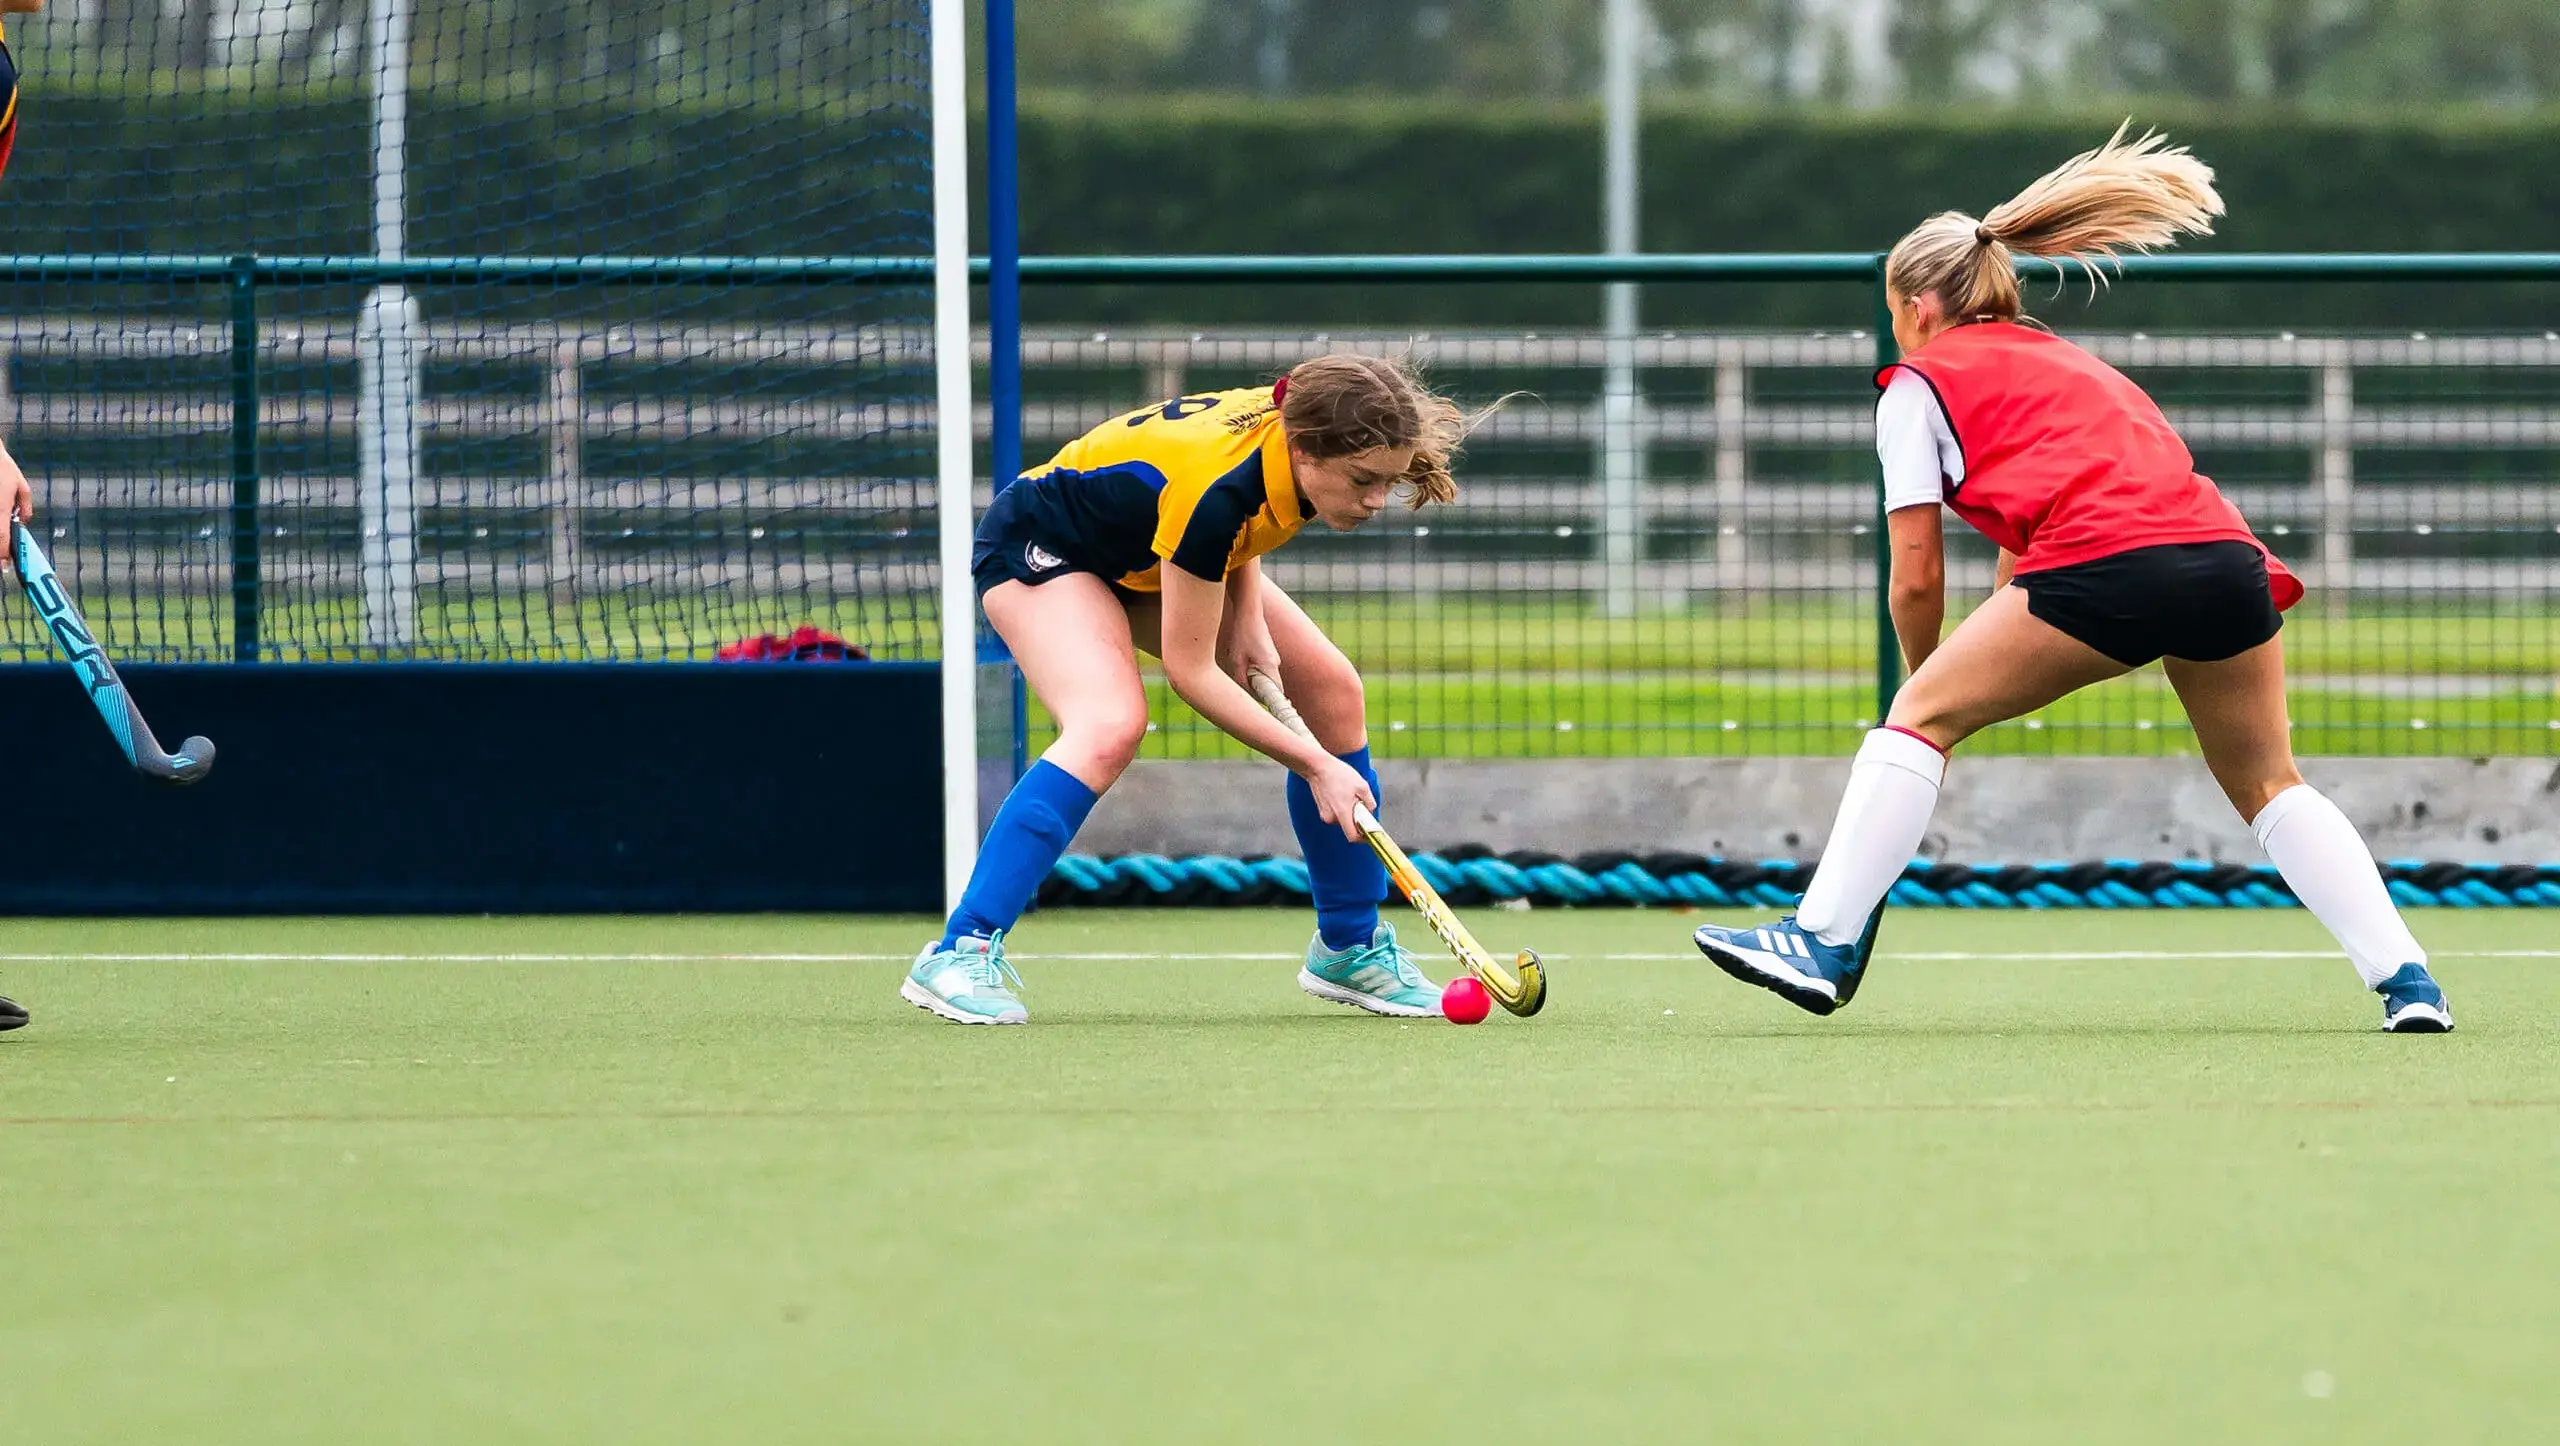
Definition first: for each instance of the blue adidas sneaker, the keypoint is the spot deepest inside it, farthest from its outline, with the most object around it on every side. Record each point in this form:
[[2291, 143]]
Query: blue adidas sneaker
[[1787, 960], [968, 983], [2412, 1004], [1378, 976]]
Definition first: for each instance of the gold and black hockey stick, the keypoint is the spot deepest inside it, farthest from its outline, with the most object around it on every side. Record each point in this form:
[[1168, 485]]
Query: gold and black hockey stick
[[1522, 989]]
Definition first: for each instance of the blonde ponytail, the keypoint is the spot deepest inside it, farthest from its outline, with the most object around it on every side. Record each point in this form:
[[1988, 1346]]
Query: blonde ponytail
[[2125, 195]]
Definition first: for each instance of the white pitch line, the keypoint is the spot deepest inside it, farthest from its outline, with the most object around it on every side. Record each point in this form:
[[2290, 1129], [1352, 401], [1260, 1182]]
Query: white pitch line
[[286, 958], [2109, 956]]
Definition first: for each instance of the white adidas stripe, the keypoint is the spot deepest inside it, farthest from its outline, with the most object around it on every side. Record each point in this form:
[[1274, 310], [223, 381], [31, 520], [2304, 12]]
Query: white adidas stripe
[[1373, 979]]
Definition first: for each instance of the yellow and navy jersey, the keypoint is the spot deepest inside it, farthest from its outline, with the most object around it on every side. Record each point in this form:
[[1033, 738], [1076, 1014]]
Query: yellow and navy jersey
[[8, 100], [1201, 482]]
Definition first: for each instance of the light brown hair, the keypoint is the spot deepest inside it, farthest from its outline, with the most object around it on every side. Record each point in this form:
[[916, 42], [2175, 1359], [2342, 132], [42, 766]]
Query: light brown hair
[[2125, 195], [1342, 405]]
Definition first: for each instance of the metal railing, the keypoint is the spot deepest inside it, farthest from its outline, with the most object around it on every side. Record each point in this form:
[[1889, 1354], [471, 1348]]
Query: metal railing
[[1721, 419]]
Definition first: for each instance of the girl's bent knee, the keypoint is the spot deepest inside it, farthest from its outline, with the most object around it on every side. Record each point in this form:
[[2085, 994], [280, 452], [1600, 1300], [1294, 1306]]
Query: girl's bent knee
[[1334, 704], [1331, 681], [1099, 752]]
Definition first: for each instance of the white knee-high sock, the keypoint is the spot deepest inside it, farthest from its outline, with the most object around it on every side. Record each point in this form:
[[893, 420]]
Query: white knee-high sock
[[2331, 871], [1893, 788]]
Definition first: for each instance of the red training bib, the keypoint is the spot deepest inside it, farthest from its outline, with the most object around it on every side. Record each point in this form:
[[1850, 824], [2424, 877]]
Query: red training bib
[[2066, 460]]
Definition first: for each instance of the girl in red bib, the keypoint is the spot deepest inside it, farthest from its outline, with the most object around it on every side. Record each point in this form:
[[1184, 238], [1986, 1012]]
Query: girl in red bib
[[2114, 553]]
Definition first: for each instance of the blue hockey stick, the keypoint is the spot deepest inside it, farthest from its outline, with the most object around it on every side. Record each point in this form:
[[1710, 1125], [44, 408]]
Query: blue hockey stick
[[194, 757]]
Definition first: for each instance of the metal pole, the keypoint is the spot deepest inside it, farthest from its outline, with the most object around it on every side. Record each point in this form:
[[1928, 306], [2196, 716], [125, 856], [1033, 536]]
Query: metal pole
[[1004, 245], [1004, 318], [245, 600], [955, 470], [566, 475], [387, 343], [1733, 458], [1888, 646], [2337, 483], [1271, 58], [1621, 447]]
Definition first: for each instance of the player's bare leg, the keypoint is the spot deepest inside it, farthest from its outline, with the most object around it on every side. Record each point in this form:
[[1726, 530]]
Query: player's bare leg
[[1071, 638], [2003, 662], [2000, 663], [1316, 674], [2246, 734]]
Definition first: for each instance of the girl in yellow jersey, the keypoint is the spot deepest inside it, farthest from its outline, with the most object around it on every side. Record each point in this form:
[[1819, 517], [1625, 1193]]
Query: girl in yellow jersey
[[1146, 534]]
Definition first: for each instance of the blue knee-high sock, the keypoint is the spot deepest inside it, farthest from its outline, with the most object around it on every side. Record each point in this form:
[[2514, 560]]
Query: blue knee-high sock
[[1033, 828], [1345, 877]]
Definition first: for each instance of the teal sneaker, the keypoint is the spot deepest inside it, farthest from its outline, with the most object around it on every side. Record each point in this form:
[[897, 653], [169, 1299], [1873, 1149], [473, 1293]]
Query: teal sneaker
[[968, 983], [1378, 976]]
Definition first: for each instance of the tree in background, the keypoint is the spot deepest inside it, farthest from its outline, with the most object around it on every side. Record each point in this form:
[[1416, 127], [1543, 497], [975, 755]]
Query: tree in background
[[2502, 52], [1853, 52], [1105, 45], [1542, 48], [1857, 53], [2225, 50]]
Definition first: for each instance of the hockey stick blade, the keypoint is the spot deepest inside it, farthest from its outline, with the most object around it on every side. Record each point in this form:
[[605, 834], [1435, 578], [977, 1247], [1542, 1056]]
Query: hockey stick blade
[[107, 693], [1521, 989]]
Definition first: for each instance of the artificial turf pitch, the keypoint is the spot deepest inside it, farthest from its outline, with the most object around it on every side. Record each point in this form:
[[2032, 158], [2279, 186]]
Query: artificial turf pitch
[[580, 1195]]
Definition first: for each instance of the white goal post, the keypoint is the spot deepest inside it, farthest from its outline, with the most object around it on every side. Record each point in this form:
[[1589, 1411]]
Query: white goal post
[[955, 450]]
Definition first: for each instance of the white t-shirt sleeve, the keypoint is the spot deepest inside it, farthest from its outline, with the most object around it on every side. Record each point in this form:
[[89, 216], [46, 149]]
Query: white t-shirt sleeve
[[1915, 444]]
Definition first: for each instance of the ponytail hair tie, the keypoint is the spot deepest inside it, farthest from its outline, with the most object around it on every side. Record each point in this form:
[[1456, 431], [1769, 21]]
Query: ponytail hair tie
[[1279, 391], [1982, 236]]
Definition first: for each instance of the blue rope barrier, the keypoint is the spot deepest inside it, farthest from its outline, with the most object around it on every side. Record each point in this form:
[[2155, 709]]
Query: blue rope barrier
[[1478, 876]]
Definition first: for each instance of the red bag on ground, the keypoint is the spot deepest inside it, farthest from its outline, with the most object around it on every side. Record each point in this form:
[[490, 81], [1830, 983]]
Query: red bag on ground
[[804, 645]]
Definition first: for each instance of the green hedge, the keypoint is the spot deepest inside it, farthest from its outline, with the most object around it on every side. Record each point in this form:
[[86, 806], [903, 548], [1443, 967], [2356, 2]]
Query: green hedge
[[1235, 175], [218, 171], [1217, 176]]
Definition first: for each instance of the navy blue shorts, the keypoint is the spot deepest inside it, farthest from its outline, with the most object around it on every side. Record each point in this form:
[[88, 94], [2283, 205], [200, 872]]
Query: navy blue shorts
[[1011, 546], [1022, 540]]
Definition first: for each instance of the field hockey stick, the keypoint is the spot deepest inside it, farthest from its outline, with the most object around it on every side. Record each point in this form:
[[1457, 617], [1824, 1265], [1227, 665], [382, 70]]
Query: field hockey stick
[[1521, 989], [194, 757]]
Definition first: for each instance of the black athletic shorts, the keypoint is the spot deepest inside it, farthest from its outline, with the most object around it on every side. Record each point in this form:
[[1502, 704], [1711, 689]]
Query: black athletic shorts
[[2198, 601]]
